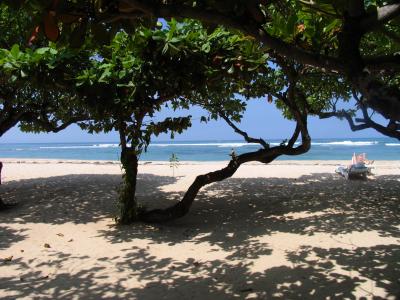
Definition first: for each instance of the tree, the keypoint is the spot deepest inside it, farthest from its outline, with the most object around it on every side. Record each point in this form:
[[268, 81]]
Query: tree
[[126, 85], [355, 40], [175, 66], [33, 88], [137, 88]]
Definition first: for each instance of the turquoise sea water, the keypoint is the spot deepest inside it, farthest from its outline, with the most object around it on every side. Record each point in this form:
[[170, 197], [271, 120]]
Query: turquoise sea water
[[322, 149]]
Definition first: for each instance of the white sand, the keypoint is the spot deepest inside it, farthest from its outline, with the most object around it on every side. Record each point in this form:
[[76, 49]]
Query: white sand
[[290, 230]]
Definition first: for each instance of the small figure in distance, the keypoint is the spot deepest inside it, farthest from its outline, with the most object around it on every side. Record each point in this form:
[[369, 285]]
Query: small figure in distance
[[233, 154]]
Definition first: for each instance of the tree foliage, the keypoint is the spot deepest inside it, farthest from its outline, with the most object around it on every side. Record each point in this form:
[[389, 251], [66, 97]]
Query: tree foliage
[[355, 41], [35, 82]]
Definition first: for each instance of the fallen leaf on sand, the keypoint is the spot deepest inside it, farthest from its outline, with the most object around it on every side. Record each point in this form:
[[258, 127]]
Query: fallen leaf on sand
[[60, 234], [46, 245], [8, 258], [70, 240]]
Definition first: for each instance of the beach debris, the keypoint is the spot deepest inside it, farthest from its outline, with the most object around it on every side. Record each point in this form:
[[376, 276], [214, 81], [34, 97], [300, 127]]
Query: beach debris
[[70, 240], [60, 234], [8, 259], [22, 250], [46, 245], [246, 290]]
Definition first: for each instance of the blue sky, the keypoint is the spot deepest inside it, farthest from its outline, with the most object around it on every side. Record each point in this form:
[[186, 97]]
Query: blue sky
[[260, 120]]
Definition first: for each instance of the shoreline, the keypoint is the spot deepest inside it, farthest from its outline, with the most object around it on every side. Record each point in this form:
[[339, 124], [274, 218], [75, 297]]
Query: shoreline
[[187, 162]]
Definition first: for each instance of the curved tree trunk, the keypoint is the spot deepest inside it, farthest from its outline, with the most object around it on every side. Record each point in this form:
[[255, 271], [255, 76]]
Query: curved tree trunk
[[182, 207]]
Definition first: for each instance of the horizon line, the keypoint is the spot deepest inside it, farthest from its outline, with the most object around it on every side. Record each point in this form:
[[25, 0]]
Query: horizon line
[[199, 140]]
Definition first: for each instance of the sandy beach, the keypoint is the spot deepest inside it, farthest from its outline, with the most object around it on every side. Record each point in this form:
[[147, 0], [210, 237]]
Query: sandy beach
[[288, 230]]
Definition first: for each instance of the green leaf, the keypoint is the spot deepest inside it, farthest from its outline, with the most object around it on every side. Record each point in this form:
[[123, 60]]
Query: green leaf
[[328, 28], [15, 51], [42, 50], [165, 49], [105, 75], [206, 47]]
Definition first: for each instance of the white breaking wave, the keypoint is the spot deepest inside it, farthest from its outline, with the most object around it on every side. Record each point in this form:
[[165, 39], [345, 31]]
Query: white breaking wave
[[347, 143], [236, 145], [392, 144], [82, 147], [107, 146], [219, 145]]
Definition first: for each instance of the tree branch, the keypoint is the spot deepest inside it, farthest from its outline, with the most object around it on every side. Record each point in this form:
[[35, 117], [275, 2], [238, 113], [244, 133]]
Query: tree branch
[[295, 136], [387, 62], [50, 127], [248, 26], [383, 15], [10, 121], [391, 130], [243, 133]]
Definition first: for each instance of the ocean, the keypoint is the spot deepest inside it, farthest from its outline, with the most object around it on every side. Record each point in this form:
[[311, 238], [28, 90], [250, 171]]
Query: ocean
[[322, 149]]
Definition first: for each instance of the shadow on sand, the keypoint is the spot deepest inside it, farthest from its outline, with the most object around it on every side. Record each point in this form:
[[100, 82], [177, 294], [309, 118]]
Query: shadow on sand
[[229, 215]]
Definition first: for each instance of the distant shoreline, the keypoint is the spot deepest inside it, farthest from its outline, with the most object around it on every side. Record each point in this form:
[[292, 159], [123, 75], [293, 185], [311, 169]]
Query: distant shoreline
[[395, 163]]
